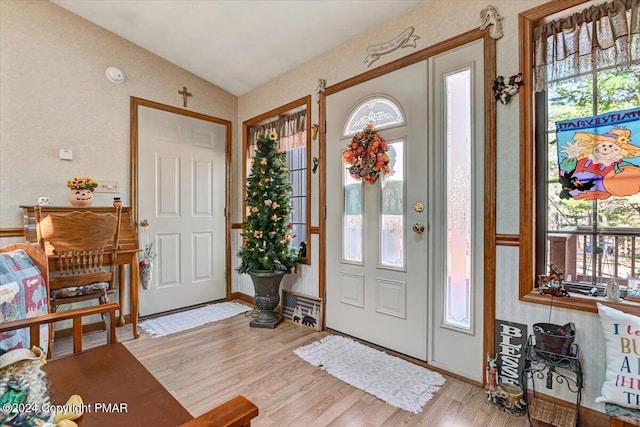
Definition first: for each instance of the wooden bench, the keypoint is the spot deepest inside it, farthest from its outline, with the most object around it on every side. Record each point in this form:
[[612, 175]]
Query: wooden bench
[[237, 412], [75, 315], [102, 372]]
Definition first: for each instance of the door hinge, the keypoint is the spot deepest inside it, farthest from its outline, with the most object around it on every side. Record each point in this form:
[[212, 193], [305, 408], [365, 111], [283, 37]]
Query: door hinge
[[226, 147], [324, 214], [225, 212], [324, 130]]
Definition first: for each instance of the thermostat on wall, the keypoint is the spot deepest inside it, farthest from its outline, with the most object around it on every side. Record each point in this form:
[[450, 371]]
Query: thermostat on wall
[[66, 154]]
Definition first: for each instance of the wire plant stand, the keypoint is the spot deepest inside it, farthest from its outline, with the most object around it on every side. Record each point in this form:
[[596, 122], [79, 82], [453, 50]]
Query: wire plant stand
[[552, 368]]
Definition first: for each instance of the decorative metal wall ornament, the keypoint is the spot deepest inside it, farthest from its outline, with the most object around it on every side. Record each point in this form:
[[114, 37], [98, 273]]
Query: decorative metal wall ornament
[[492, 19], [406, 39]]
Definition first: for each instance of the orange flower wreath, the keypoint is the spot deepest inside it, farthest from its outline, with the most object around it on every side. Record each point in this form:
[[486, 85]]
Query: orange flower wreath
[[367, 155]]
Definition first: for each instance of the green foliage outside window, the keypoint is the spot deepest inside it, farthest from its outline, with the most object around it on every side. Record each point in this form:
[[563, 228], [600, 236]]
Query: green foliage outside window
[[570, 98]]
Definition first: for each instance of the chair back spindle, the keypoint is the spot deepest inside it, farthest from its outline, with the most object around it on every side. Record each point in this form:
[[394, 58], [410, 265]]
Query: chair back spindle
[[80, 242]]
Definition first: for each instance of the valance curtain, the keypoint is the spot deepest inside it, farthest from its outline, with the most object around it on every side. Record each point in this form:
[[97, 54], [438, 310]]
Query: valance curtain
[[602, 35], [291, 132]]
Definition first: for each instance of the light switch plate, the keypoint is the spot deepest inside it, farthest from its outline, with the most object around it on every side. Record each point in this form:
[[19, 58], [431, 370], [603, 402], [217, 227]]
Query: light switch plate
[[66, 154], [105, 186]]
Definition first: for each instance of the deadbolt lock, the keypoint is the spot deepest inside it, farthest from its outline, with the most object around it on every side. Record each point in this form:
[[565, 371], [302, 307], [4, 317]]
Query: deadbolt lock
[[419, 207]]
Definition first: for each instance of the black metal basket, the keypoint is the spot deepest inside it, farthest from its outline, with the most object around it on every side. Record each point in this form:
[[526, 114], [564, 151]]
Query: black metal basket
[[549, 339]]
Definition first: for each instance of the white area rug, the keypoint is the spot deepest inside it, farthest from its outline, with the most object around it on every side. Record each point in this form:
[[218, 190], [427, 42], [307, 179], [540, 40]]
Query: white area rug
[[184, 320], [398, 382]]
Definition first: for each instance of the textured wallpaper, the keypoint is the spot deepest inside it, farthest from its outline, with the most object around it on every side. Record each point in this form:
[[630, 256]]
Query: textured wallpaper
[[55, 94]]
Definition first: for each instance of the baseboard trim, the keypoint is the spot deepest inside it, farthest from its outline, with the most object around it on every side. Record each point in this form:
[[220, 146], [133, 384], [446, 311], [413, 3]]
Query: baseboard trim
[[242, 297]]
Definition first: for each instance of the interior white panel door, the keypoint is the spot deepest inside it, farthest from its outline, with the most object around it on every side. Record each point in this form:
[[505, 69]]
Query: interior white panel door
[[181, 186], [169, 260]]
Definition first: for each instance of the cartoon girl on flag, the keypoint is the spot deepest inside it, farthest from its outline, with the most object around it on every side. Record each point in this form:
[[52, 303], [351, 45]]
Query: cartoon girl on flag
[[599, 165]]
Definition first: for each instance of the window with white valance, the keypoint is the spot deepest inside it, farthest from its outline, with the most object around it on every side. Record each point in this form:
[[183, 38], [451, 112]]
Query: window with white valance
[[291, 127], [585, 63], [603, 35]]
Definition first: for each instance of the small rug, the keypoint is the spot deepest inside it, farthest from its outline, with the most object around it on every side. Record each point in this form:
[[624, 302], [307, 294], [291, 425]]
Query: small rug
[[184, 320], [398, 382]]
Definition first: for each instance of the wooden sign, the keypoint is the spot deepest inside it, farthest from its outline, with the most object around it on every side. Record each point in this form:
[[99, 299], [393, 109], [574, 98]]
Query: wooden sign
[[510, 342]]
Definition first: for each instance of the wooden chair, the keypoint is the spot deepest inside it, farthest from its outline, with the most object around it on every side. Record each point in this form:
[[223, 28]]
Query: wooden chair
[[81, 242]]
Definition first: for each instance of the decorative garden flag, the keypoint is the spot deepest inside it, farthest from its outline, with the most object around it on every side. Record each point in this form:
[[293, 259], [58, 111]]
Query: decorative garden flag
[[598, 157]]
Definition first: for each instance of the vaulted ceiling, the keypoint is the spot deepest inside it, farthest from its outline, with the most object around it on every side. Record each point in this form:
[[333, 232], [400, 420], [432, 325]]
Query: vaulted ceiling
[[238, 45]]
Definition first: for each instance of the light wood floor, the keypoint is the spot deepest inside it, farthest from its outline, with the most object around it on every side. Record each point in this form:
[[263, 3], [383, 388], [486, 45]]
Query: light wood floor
[[206, 366]]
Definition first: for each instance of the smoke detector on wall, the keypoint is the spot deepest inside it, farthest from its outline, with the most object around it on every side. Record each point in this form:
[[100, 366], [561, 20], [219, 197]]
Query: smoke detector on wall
[[115, 75]]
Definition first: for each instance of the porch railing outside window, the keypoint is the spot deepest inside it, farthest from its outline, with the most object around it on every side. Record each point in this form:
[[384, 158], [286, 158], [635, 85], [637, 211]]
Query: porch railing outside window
[[612, 253]]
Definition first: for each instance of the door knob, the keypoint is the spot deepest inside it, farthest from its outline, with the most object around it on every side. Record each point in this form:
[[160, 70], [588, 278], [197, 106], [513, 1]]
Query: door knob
[[144, 223], [418, 227]]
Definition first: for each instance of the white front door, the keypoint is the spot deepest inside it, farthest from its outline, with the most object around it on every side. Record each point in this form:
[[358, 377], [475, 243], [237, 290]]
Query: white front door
[[376, 274], [420, 294], [181, 192]]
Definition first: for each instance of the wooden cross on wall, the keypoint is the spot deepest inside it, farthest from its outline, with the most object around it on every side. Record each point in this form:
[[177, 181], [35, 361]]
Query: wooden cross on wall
[[184, 94]]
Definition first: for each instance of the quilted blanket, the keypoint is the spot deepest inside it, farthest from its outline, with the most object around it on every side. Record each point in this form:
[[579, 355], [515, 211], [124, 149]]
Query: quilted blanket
[[23, 294]]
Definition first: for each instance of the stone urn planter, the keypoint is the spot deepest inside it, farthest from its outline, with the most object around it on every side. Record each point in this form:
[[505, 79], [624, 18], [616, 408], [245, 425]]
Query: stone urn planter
[[266, 284]]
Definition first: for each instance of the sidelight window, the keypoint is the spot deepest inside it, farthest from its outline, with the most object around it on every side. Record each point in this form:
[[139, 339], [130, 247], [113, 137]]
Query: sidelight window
[[459, 169]]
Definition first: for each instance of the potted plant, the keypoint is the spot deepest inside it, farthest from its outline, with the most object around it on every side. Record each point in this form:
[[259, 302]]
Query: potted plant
[[81, 193], [266, 253]]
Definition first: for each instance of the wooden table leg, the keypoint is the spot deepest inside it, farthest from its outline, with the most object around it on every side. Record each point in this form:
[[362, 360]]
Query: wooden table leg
[[135, 277], [121, 279]]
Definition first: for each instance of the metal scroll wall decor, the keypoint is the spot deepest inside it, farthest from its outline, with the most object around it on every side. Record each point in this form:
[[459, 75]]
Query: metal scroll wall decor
[[406, 39]]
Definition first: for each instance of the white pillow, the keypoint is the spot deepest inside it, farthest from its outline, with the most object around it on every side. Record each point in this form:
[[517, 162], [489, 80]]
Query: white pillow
[[622, 340]]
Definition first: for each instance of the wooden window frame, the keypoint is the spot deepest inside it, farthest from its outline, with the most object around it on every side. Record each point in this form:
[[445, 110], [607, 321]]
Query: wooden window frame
[[527, 21], [302, 102]]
